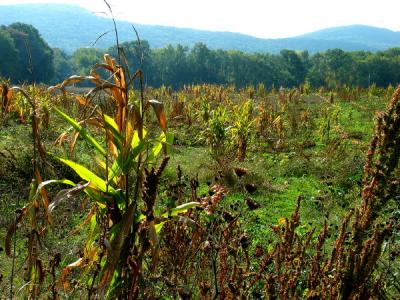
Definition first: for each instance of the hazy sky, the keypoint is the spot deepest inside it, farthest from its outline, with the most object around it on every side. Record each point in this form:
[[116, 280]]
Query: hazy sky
[[267, 19]]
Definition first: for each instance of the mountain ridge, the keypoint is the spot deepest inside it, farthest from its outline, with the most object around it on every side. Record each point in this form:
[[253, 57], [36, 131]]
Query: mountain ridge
[[53, 22]]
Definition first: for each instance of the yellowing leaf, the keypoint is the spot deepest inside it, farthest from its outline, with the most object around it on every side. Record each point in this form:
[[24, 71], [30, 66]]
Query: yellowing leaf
[[282, 221]]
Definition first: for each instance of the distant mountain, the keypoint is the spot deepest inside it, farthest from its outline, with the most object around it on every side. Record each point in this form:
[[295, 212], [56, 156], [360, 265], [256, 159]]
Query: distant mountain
[[373, 37], [70, 27]]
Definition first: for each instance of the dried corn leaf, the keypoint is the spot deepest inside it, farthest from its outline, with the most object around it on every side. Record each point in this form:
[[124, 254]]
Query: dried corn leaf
[[110, 62], [12, 229], [95, 122], [43, 191], [68, 269], [159, 110], [93, 71], [73, 142], [82, 100], [86, 221], [61, 138], [73, 79], [66, 194]]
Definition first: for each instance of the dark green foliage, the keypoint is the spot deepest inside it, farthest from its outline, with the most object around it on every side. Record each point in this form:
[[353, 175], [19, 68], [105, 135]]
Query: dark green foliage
[[332, 68], [27, 57], [296, 65], [62, 66], [179, 66], [8, 55], [136, 53], [35, 57], [83, 59], [168, 61]]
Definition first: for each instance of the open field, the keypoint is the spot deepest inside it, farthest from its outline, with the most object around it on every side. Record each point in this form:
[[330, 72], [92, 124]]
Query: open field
[[219, 218]]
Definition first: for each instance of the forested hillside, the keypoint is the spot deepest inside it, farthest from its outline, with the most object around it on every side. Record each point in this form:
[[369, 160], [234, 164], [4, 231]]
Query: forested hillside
[[54, 22]]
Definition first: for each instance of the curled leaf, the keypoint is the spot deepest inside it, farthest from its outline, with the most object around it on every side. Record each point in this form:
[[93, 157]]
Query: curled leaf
[[159, 110], [66, 194], [68, 270]]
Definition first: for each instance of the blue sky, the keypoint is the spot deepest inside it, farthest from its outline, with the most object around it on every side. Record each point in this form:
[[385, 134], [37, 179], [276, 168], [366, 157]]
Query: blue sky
[[266, 19]]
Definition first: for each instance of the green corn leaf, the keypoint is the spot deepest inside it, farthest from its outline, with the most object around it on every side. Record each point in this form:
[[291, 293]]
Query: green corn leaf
[[136, 140], [126, 163], [181, 209], [114, 171], [159, 226], [111, 123], [157, 147], [141, 146], [84, 173], [169, 142], [83, 132], [158, 144], [97, 196], [113, 127], [101, 163], [139, 218], [130, 161], [114, 231]]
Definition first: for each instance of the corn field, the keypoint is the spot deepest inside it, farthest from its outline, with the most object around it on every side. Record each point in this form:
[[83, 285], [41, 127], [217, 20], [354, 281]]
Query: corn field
[[109, 212]]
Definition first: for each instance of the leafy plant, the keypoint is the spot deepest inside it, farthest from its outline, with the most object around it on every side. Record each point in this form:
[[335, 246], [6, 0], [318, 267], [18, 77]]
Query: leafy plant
[[243, 122], [216, 133]]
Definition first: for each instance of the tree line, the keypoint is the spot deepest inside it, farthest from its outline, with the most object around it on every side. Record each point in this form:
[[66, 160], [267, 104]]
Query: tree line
[[26, 57]]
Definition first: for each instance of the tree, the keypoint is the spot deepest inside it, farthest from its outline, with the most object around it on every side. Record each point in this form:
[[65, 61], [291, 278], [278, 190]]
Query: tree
[[381, 70], [137, 55], [170, 66], [62, 66], [295, 66], [35, 57], [204, 64], [8, 55], [84, 59], [332, 68]]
